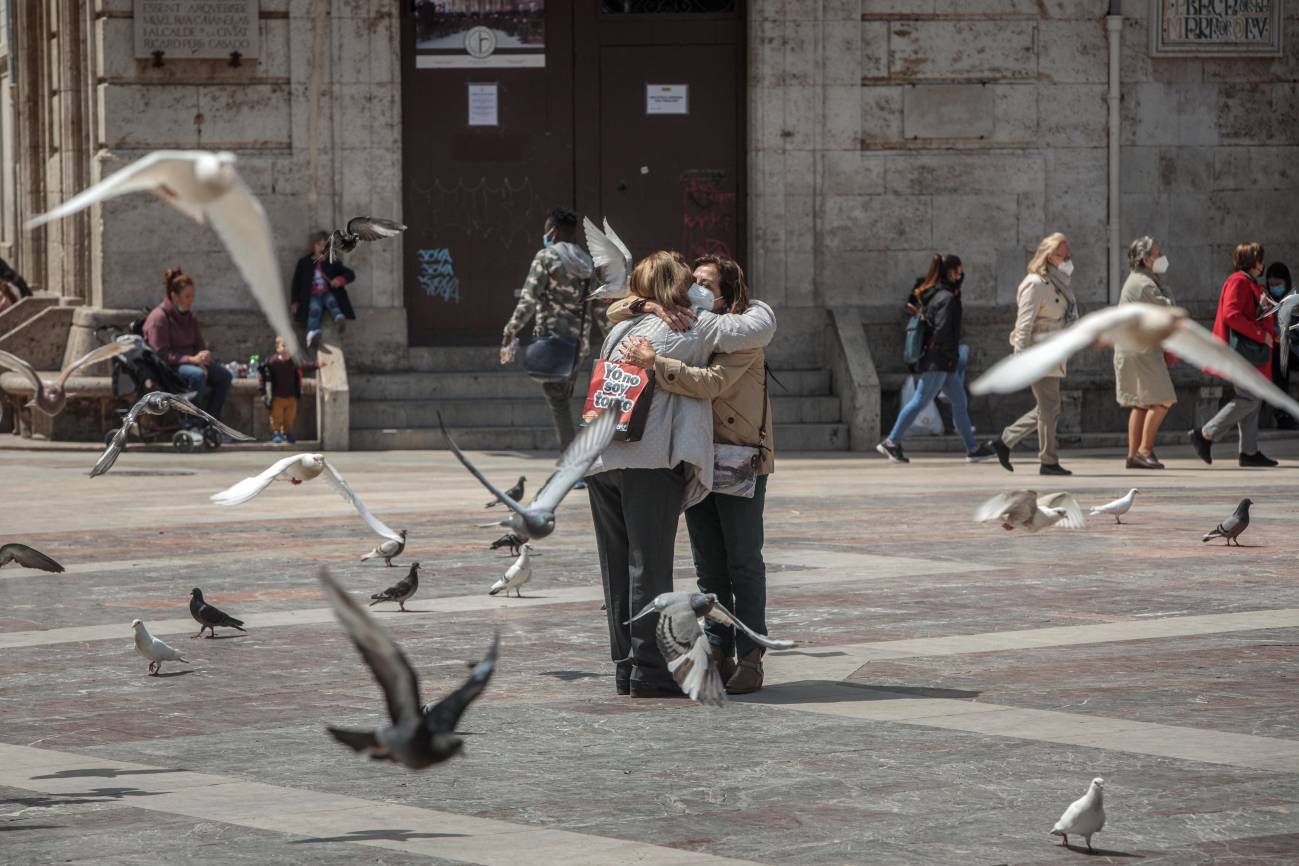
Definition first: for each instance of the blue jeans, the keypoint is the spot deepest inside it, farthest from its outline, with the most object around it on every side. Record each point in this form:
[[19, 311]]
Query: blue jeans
[[726, 542], [317, 304], [212, 382], [928, 386]]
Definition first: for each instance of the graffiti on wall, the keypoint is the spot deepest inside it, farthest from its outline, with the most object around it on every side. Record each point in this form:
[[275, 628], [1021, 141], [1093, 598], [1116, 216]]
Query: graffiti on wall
[[437, 275], [708, 219]]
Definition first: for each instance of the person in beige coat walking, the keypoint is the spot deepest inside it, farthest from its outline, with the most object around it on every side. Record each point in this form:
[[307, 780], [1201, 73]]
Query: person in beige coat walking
[[1141, 380], [1045, 304]]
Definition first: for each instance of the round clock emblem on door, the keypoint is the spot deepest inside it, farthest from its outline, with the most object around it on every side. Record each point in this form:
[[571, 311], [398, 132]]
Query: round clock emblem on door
[[480, 42]]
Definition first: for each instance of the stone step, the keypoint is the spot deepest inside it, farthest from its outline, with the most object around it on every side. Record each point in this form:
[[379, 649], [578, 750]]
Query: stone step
[[533, 411], [514, 383], [789, 438]]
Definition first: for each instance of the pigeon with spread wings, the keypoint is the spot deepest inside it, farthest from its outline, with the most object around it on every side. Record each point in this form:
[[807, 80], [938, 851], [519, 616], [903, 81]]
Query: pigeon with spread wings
[[1284, 310], [27, 557], [296, 469], [50, 397], [1134, 327], [205, 187], [155, 403], [613, 262], [1024, 509], [537, 518], [362, 228], [418, 736]]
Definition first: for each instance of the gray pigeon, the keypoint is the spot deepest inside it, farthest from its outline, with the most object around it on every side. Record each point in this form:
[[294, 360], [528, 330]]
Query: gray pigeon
[[390, 549], [537, 519], [27, 557], [209, 617], [156, 403], [685, 646], [401, 590], [510, 540], [1233, 526], [515, 493], [419, 736], [362, 228]]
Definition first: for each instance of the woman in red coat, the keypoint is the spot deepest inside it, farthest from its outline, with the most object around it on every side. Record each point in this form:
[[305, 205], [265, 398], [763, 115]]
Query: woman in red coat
[[1238, 325]]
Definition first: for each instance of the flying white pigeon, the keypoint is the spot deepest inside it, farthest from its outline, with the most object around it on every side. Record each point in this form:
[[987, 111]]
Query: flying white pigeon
[[154, 650], [1118, 507], [1136, 328], [516, 576], [612, 259], [1284, 311], [205, 187], [295, 470], [1024, 509], [1085, 816]]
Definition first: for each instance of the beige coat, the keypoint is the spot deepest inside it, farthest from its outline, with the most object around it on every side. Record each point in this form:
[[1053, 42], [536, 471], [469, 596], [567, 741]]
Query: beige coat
[[1141, 379], [1040, 313]]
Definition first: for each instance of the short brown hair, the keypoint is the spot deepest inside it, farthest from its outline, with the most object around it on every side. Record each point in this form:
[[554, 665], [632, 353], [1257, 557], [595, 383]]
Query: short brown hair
[[730, 281], [661, 277], [1247, 255]]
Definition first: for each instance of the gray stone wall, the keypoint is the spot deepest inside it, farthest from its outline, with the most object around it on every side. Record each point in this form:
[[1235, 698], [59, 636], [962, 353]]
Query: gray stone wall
[[322, 100], [883, 131]]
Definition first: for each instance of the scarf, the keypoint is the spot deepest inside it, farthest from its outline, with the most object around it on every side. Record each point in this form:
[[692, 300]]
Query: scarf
[[1061, 283]]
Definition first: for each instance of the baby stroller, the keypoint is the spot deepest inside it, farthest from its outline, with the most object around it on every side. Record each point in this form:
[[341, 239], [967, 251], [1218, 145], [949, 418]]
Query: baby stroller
[[141, 370]]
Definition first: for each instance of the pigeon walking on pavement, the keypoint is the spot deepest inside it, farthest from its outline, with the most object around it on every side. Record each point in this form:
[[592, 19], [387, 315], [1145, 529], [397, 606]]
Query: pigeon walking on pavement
[[27, 557], [389, 549], [537, 518], [1024, 509], [515, 493], [418, 736], [1233, 526], [516, 575], [401, 590], [154, 650], [1118, 507], [1085, 816], [511, 540], [685, 647], [209, 617], [155, 403]]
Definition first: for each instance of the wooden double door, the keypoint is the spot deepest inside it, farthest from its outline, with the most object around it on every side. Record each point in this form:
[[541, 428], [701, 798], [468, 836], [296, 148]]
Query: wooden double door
[[628, 110]]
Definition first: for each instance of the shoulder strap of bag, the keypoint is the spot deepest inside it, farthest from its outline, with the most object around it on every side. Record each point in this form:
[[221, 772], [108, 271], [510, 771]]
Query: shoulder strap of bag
[[762, 426]]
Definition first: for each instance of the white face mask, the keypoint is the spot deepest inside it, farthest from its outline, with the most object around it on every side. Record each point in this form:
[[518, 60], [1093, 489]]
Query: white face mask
[[1066, 267], [701, 298], [1160, 265]]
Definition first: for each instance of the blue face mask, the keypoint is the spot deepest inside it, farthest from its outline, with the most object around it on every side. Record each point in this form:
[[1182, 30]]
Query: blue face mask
[[546, 241], [1277, 291]]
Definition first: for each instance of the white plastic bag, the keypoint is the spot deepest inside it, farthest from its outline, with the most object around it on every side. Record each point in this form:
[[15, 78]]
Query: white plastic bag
[[928, 422]]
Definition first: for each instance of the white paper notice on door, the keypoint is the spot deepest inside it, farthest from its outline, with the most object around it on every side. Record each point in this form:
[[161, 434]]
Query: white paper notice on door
[[667, 99], [483, 105]]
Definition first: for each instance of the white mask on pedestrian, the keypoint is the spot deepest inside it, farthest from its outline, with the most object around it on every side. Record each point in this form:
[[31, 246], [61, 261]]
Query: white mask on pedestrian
[[1066, 267], [700, 298], [1159, 265]]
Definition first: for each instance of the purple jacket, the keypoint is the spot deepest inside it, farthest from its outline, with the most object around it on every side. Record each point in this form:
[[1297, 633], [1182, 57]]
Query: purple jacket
[[173, 334]]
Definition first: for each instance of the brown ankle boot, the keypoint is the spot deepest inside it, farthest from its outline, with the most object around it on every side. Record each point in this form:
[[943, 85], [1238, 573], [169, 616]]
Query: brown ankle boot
[[748, 675], [725, 663]]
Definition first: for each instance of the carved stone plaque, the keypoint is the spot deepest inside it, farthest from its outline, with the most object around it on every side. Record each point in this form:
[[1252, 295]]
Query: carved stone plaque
[[1215, 28], [196, 29]]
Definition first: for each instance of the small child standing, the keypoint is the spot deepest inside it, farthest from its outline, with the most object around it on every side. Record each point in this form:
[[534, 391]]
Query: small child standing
[[281, 379]]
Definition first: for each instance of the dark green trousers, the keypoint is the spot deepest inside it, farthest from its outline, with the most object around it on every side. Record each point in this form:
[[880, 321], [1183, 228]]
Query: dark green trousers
[[726, 541]]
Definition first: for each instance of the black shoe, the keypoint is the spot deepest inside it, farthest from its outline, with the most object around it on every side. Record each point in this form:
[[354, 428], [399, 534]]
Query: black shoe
[[980, 454], [1003, 454], [891, 451], [656, 690], [1052, 469], [622, 679], [1258, 458], [1141, 461], [1203, 447]]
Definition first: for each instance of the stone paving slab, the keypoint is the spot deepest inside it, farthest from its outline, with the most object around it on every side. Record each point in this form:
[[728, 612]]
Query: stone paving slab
[[990, 674]]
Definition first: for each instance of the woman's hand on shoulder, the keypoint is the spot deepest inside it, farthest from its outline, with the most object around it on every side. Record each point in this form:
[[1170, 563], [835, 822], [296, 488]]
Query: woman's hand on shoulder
[[676, 318], [639, 352]]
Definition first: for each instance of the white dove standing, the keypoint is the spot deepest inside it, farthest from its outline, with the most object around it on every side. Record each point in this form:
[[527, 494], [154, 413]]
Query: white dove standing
[[1118, 507], [1024, 509], [516, 576], [1085, 816], [295, 470], [1135, 328], [154, 650], [612, 260], [205, 187]]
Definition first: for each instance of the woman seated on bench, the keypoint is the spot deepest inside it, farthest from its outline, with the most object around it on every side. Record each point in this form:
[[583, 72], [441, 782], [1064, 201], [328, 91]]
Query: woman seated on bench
[[172, 330]]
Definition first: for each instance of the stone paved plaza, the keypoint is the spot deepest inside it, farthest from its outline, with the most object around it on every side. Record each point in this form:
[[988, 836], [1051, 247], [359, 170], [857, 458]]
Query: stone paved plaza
[[955, 685]]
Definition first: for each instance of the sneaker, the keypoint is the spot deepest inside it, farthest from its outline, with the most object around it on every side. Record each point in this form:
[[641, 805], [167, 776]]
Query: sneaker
[[277, 439], [980, 454], [341, 324], [1203, 447], [313, 339], [1002, 450], [290, 438], [1258, 458], [1052, 469], [891, 451]]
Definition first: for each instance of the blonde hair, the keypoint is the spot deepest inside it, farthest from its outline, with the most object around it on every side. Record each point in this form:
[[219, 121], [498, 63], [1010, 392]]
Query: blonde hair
[[1048, 246], [662, 277]]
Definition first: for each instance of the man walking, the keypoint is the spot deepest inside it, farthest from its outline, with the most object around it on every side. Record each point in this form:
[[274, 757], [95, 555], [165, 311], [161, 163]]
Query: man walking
[[555, 292]]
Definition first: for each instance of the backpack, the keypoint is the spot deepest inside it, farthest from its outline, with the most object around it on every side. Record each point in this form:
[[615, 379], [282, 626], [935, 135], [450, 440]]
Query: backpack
[[915, 338]]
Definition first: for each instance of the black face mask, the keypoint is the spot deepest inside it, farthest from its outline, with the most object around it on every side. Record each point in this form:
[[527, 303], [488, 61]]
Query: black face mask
[[956, 283]]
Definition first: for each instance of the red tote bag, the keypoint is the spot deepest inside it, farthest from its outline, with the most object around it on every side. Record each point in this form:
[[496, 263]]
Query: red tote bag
[[626, 388]]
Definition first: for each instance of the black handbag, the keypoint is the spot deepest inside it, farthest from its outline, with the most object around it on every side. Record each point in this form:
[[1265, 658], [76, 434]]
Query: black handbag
[[1252, 351], [554, 358]]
